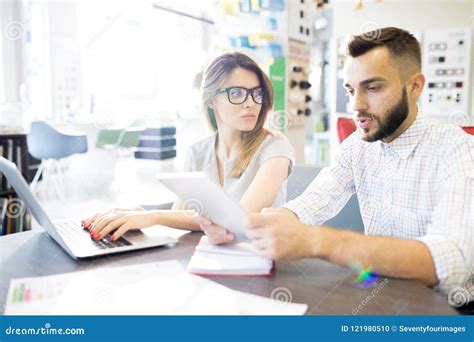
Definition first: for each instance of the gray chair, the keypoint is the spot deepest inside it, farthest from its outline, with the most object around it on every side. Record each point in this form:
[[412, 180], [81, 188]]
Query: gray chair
[[47, 143], [348, 218], [162, 206]]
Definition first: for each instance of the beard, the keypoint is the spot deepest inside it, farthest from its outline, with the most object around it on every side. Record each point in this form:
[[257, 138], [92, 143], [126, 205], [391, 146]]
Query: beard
[[394, 117]]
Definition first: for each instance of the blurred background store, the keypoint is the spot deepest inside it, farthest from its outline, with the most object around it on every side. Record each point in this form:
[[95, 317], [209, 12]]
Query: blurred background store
[[126, 74]]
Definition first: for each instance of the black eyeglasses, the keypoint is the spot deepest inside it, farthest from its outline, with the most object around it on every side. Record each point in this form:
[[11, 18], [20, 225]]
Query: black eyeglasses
[[238, 95]]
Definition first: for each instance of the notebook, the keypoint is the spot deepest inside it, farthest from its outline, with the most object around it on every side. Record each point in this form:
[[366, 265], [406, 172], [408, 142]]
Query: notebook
[[238, 259]]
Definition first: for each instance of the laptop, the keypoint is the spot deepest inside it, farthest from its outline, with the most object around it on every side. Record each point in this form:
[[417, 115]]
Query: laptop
[[70, 234]]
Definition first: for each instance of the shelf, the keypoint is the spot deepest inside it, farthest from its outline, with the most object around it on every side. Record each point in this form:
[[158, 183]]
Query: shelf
[[14, 148]]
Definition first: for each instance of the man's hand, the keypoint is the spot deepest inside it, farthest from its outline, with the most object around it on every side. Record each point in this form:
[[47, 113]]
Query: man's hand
[[278, 234]]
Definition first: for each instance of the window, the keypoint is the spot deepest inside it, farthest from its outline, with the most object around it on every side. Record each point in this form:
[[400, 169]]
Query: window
[[2, 74], [138, 62], [120, 60]]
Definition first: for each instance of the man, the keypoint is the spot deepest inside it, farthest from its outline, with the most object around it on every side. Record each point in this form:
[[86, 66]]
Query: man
[[413, 176]]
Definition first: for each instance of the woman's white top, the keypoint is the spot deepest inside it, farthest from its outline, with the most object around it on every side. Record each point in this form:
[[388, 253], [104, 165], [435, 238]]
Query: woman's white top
[[201, 156]]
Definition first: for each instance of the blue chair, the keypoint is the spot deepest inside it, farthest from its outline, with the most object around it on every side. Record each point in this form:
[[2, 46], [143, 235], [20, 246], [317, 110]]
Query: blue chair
[[46, 143]]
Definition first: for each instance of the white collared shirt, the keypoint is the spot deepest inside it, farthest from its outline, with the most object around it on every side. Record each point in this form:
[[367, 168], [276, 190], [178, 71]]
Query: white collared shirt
[[419, 186]]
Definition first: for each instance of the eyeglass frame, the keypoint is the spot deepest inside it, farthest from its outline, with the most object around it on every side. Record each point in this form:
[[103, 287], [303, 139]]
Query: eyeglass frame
[[247, 92]]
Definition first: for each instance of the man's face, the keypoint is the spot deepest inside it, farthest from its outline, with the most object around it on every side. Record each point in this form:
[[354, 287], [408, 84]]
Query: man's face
[[378, 98]]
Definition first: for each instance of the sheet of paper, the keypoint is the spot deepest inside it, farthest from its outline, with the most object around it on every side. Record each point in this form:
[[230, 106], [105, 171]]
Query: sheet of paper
[[162, 288]]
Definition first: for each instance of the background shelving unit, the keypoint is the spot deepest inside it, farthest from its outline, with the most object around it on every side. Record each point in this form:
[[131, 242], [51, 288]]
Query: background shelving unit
[[14, 216]]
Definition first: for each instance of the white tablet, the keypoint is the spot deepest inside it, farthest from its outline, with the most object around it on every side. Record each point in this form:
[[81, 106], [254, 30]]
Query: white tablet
[[209, 199]]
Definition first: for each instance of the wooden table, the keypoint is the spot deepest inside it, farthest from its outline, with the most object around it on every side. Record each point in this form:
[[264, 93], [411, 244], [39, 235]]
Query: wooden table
[[328, 289]]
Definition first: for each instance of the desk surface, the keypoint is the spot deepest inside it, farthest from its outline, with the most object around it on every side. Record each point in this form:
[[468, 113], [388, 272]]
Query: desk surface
[[327, 289]]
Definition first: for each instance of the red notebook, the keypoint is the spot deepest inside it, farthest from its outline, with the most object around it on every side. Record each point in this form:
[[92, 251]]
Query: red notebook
[[239, 259]]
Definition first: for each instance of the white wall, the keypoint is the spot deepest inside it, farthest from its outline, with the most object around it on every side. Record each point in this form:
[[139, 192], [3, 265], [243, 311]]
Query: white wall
[[412, 15], [12, 32]]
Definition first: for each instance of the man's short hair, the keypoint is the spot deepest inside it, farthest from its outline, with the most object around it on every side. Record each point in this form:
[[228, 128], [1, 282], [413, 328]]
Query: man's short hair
[[401, 44]]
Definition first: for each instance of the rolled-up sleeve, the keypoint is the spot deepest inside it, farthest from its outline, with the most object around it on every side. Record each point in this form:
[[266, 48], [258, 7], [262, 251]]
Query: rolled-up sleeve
[[329, 191], [449, 238]]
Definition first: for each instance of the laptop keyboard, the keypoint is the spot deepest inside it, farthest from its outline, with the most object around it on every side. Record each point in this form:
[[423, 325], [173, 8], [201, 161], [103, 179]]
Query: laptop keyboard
[[74, 232]]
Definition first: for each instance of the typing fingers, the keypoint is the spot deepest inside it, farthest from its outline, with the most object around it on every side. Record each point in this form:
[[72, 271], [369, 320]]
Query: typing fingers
[[87, 222], [111, 226], [101, 222], [122, 230]]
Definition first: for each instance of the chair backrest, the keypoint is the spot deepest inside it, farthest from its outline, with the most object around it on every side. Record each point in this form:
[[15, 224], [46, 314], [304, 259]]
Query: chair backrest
[[299, 180], [469, 129], [345, 127], [115, 138], [349, 217], [45, 142]]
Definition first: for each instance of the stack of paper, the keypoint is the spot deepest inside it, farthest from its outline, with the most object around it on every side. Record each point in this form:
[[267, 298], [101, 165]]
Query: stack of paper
[[162, 288], [239, 259]]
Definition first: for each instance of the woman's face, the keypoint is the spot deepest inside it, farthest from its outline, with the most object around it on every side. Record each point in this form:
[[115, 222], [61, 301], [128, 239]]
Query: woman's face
[[241, 117]]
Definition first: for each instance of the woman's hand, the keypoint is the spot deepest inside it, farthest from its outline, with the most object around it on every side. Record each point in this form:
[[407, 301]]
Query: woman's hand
[[216, 235], [119, 220]]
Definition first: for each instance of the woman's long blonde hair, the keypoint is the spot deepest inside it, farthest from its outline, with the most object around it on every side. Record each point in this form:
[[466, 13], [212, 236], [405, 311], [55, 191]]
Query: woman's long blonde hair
[[213, 77]]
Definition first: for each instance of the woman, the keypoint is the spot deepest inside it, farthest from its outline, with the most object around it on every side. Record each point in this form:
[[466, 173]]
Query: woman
[[251, 163]]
